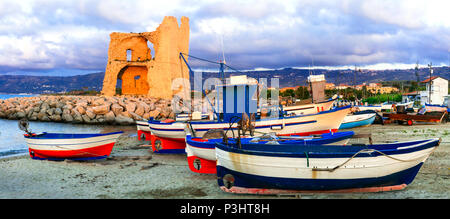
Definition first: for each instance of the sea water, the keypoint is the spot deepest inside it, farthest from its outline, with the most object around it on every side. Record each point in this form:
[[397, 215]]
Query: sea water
[[13, 143]]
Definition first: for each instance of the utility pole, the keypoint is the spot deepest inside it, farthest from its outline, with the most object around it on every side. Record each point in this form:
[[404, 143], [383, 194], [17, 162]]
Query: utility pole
[[431, 72]]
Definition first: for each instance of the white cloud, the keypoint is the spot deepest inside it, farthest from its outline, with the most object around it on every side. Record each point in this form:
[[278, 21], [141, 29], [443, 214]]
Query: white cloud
[[256, 33]]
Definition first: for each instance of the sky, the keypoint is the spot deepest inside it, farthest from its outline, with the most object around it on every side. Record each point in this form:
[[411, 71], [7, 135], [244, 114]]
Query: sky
[[70, 37]]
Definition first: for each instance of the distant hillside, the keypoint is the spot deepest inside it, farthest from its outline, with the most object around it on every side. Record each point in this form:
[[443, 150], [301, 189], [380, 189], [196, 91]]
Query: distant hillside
[[49, 84], [288, 77]]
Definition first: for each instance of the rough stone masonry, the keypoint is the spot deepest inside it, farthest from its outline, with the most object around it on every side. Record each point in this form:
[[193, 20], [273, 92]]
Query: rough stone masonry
[[131, 61], [85, 109]]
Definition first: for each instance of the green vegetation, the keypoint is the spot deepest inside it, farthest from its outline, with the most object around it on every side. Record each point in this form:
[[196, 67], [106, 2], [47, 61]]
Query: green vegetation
[[299, 93], [381, 98], [362, 94], [84, 92]]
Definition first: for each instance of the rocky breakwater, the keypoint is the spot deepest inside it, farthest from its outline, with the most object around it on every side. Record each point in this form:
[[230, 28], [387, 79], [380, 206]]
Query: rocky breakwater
[[121, 110]]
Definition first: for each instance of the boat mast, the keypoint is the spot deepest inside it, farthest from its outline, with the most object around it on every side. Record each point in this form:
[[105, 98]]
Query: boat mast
[[222, 63], [416, 69]]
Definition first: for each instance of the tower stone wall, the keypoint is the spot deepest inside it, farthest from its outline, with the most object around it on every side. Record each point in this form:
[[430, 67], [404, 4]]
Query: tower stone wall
[[130, 60]]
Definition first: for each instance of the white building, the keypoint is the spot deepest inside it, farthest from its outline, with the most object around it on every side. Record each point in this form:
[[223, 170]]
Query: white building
[[439, 89]]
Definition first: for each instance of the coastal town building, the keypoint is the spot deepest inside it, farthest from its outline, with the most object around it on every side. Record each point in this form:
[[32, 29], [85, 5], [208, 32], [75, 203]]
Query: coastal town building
[[289, 88], [329, 86], [437, 88], [381, 90], [342, 87], [371, 87]]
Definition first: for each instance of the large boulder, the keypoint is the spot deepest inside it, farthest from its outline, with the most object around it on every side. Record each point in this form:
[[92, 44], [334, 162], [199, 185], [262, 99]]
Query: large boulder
[[90, 113], [101, 110], [116, 108], [124, 120], [80, 109], [67, 117], [110, 117], [131, 107]]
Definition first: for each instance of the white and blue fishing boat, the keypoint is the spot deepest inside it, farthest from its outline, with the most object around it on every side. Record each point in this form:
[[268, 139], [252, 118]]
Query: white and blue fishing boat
[[436, 108], [296, 168], [357, 120], [201, 153]]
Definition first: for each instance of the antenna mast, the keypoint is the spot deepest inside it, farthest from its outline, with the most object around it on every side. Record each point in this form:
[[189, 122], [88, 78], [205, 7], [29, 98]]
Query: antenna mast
[[416, 69], [222, 62]]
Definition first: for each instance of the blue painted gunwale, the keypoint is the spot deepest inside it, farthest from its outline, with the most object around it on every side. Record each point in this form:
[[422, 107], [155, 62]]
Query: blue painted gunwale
[[171, 151], [364, 122], [437, 105], [328, 151], [326, 139], [46, 135]]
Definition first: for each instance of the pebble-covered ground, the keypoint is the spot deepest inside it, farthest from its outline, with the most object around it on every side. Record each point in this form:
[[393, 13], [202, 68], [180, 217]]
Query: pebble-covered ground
[[134, 172]]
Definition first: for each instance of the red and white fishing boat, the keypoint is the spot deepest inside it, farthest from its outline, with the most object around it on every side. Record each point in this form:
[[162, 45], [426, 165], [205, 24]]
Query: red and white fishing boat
[[60, 146], [169, 136]]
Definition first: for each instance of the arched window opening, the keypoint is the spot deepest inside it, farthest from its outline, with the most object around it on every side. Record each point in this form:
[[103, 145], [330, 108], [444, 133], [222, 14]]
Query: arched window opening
[[128, 55], [152, 50]]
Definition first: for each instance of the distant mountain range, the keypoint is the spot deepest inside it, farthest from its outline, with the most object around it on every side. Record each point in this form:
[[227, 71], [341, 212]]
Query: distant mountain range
[[49, 84], [288, 77]]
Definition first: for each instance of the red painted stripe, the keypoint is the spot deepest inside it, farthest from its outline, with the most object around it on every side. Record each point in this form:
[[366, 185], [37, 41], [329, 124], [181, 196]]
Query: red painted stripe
[[160, 143], [96, 151], [200, 165], [241, 190], [147, 135]]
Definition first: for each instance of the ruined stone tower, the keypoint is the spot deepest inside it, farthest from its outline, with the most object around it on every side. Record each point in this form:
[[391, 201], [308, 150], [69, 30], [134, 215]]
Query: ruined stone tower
[[130, 59]]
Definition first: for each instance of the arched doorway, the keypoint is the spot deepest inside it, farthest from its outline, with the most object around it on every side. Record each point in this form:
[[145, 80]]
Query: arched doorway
[[133, 80]]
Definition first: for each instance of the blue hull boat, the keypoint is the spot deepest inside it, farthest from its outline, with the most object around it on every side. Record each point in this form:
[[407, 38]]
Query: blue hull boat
[[269, 169], [352, 121]]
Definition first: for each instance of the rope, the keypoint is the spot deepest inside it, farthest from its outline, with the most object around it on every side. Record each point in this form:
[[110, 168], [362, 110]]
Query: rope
[[365, 151], [200, 58]]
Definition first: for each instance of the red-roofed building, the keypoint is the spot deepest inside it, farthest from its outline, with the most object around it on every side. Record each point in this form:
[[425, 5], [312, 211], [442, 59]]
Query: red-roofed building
[[437, 87], [428, 79]]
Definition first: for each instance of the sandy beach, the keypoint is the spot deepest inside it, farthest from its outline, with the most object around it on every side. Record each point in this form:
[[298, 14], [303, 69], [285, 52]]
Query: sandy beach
[[134, 172]]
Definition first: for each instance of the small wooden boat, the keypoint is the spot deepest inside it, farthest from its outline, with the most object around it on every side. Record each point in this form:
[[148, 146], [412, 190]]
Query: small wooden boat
[[436, 108], [300, 168], [201, 153], [411, 118], [357, 120], [59, 146]]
